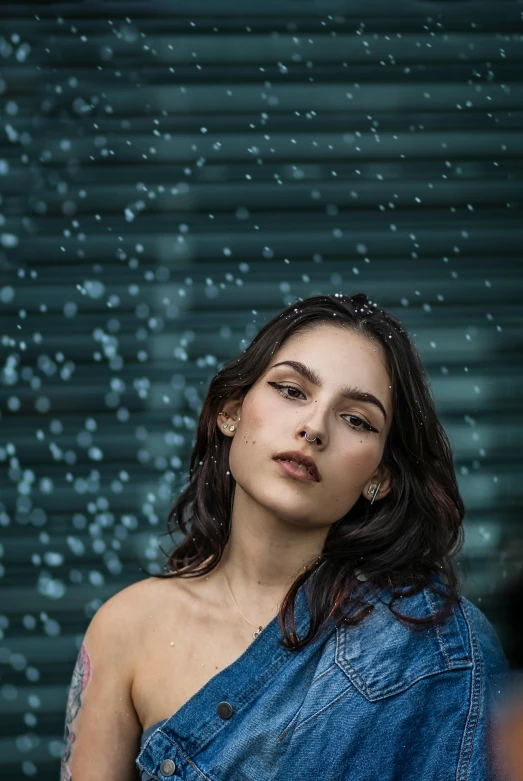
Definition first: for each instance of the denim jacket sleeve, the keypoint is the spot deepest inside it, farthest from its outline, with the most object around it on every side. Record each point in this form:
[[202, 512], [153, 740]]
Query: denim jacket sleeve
[[490, 678]]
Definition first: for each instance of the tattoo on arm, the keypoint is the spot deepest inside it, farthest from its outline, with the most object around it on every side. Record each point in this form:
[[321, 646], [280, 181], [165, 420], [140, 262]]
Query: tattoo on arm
[[80, 679]]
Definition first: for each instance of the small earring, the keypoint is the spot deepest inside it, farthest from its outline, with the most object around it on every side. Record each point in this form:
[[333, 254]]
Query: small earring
[[226, 425], [376, 490]]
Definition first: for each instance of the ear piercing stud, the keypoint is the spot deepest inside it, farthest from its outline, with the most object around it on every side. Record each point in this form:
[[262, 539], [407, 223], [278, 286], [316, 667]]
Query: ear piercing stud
[[225, 425], [373, 491]]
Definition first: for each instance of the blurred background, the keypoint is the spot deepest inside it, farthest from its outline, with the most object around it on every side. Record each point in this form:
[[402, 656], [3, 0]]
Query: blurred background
[[171, 176]]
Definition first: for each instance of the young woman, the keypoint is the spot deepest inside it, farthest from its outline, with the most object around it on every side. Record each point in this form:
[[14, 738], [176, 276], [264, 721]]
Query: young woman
[[309, 623]]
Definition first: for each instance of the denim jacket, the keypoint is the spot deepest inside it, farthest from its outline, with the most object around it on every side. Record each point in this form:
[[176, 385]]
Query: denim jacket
[[372, 702]]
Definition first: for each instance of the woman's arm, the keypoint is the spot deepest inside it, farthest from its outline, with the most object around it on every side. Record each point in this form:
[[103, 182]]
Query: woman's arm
[[102, 730]]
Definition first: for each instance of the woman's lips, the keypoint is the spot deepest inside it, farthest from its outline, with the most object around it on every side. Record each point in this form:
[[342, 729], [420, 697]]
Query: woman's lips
[[296, 471]]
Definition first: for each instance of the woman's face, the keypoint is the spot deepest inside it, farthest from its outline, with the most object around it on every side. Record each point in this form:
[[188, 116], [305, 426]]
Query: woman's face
[[351, 433]]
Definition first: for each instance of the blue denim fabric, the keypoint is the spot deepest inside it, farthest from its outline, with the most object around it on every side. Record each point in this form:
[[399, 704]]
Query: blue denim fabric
[[374, 702]]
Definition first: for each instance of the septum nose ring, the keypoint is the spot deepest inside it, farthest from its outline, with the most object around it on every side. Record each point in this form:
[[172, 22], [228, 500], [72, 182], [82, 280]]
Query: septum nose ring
[[307, 438]]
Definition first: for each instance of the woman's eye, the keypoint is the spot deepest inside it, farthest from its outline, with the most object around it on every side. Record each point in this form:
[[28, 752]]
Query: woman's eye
[[363, 425], [284, 387]]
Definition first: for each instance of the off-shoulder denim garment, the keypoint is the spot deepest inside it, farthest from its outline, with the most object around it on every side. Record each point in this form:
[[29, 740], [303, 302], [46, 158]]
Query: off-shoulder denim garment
[[373, 702]]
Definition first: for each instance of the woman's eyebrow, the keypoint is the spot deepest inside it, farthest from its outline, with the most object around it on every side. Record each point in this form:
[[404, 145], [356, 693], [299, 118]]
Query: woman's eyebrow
[[347, 392]]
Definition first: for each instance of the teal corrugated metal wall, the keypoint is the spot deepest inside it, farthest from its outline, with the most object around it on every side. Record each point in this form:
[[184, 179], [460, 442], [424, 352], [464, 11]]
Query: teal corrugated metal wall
[[173, 174]]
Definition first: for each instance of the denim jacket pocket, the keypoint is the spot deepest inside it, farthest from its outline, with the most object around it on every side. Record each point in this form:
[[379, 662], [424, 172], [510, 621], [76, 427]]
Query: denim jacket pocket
[[382, 657]]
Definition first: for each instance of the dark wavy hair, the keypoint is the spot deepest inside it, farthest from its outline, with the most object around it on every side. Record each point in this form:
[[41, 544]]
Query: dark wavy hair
[[403, 543]]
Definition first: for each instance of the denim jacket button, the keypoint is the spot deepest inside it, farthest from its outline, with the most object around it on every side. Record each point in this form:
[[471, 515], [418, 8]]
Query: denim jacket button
[[224, 710], [167, 767]]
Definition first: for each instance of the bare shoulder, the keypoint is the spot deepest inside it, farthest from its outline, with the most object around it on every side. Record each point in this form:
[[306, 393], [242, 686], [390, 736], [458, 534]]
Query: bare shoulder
[[128, 625], [124, 614], [132, 609]]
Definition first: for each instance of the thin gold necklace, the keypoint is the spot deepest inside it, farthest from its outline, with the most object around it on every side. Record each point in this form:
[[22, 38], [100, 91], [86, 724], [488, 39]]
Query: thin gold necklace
[[254, 634]]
